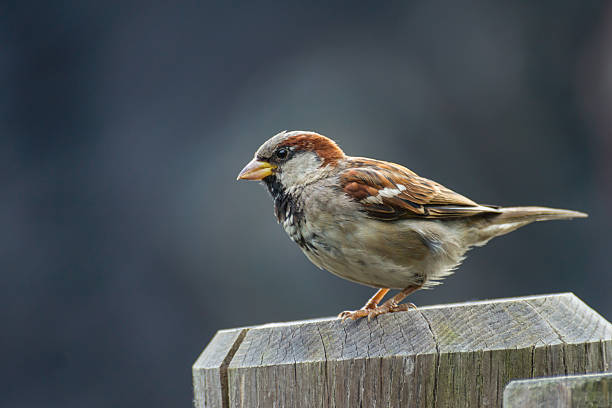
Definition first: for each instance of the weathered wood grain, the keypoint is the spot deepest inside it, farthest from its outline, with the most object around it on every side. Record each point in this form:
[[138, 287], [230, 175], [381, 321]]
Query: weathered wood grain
[[589, 390], [457, 355], [210, 369]]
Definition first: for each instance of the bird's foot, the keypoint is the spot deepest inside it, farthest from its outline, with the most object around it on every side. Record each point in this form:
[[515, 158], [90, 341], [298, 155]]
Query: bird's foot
[[372, 312]]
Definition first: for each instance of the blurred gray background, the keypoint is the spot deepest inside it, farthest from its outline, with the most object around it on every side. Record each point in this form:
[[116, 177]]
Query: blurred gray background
[[126, 241]]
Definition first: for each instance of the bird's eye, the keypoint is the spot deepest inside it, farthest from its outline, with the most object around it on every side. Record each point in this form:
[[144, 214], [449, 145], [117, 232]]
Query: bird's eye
[[282, 153]]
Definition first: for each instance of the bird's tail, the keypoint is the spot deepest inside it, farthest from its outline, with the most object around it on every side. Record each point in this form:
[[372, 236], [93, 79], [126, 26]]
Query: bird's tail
[[510, 218], [531, 214]]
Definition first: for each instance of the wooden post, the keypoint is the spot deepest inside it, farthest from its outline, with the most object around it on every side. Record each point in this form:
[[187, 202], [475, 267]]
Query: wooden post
[[456, 355], [589, 390]]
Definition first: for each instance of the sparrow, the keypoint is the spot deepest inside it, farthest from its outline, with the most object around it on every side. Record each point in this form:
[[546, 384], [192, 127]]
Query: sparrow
[[374, 222]]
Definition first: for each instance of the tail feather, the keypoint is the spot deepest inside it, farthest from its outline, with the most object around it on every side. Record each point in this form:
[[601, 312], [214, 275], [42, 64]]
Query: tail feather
[[531, 214], [511, 218]]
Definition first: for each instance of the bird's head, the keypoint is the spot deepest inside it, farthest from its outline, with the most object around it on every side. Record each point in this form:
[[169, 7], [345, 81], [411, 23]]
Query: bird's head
[[293, 159]]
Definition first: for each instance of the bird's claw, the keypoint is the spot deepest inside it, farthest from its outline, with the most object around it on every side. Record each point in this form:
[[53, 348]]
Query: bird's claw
[[372, 312]]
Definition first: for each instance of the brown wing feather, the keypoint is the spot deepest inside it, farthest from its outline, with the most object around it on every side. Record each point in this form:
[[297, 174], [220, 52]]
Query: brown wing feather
[[389, 191]]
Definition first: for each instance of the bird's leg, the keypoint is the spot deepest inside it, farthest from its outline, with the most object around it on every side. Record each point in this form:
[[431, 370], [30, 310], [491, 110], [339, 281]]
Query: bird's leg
[[375, 300], [370, 305], [390, 306]]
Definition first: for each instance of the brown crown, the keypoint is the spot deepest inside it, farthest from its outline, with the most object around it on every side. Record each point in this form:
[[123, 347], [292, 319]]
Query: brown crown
[[325, 148]]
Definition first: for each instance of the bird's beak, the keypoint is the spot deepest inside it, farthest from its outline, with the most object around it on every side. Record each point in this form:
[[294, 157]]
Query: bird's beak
[[256, 170]]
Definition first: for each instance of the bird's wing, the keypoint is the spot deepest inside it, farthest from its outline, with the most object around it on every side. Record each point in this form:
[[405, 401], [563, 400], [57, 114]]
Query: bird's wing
[[389, 191]]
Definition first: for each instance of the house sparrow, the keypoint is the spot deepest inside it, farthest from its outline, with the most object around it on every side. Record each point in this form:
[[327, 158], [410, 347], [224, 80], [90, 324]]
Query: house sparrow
[[374, 222]]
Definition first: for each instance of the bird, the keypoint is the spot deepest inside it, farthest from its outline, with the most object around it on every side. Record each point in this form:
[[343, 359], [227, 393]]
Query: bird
[[374, 222]]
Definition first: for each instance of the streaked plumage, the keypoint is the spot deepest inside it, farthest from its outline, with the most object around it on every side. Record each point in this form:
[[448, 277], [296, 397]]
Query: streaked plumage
[[374, 222]]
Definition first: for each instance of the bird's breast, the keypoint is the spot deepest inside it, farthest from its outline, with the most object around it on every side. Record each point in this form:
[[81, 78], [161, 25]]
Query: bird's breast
[[298, 228], [288, 209]]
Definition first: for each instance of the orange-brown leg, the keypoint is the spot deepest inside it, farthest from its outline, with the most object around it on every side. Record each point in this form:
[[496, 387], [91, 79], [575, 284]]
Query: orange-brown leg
[[370, 304], [375, 300], [390, 306]]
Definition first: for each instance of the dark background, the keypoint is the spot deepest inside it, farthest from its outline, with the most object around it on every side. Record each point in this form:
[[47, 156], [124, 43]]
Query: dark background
[[126, 241]]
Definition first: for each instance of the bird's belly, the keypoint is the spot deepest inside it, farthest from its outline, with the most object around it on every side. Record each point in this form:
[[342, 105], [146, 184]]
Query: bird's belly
[[352, 256], [377, 273], [358, 253]]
